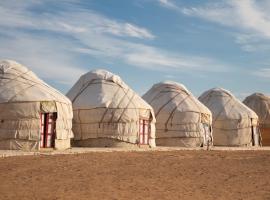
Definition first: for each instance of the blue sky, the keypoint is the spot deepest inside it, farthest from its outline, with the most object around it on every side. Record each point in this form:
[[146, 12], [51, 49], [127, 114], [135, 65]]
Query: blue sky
[[201, 44]]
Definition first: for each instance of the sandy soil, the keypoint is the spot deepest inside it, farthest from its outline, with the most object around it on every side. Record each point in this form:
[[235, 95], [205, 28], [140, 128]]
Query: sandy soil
[[138, 175]]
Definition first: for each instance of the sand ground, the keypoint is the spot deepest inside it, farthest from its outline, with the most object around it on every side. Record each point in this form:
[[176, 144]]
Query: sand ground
[[138, 175]]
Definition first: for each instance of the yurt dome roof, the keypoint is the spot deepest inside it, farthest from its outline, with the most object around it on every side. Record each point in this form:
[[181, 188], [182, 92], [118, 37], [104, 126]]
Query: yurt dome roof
[[258, 95], [95, 89], [260, 103], [171, 85], [7, 65], [217, 91], [18, 83], [224, 105], [177, 95], [101, 74]]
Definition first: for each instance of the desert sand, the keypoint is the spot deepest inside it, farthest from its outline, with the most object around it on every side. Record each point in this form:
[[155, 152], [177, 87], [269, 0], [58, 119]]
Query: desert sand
[[138, 175]]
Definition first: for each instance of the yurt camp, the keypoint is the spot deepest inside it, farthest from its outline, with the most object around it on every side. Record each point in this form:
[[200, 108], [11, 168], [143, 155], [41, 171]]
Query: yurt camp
[[260, 103], [181, 119], [33, 114], [108, 113], [234, 124]]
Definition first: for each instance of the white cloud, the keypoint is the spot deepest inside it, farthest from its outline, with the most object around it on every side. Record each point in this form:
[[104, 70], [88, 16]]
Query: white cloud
[[250, 18], [157, 59], [263, 72], [169, 76], [168, 4], [50, 42], [241, 14], [50, 61], [69, 20], [136, 31], [152, 58], [252, 42]]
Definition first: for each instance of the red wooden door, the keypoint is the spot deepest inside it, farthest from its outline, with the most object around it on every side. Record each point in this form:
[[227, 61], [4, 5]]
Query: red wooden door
[[48, 122], [42, 131], [144, 131]]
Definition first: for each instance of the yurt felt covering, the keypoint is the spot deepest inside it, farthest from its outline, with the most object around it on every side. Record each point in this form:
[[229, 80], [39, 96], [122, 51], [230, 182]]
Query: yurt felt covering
[[105, 107], [234, 124], [260, 103], [179, 115], [23, 97]]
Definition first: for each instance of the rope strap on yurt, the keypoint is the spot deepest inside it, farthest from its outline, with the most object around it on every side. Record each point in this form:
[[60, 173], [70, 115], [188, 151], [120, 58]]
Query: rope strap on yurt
[[15, 78], [166, 103], [14, 96], [156, 97], [173, 111], [122, 99], [219, 113], [30, 82], [130, 101], [104, 114], [82, 89]]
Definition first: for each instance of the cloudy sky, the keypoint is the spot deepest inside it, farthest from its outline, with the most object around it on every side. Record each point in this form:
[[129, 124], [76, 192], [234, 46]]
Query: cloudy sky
[[201, 44]]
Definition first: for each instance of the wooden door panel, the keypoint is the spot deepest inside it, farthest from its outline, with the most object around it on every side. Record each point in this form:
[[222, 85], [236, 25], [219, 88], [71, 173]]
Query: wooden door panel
[[144, 131], [48, 124]]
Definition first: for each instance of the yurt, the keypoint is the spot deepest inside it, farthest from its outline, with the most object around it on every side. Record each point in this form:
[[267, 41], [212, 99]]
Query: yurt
[[234, 124], [33, 114], [181, 119], [260, 103], [108, 113]]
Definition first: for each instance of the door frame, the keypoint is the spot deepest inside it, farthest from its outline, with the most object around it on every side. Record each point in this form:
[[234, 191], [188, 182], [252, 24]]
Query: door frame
[[144, 131], [45, 124]]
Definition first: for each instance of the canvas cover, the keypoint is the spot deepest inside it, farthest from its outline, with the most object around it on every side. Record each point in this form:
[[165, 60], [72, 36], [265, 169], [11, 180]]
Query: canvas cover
[[234, 124], [105, 107], [23, 97], [179, 114], [260, 103]]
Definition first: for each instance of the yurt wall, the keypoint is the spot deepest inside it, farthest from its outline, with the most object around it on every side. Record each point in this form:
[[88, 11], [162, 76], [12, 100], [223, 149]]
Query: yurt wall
[[260, 103], [33, 114], [109, 113], [234, 124], [181, 119]]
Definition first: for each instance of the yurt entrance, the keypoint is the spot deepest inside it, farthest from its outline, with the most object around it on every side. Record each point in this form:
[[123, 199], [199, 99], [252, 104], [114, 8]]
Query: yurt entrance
[[255, 134], [207, 137], [48, 124], [144, 132]]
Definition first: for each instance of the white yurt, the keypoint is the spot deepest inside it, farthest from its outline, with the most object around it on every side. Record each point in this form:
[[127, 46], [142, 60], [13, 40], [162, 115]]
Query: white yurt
[[234, 124], [108, 113], [260, 103], [181, 119], [33, 114]]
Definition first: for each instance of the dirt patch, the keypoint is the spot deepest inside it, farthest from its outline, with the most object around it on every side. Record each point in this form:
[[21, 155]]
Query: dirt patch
[[138, 175]]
